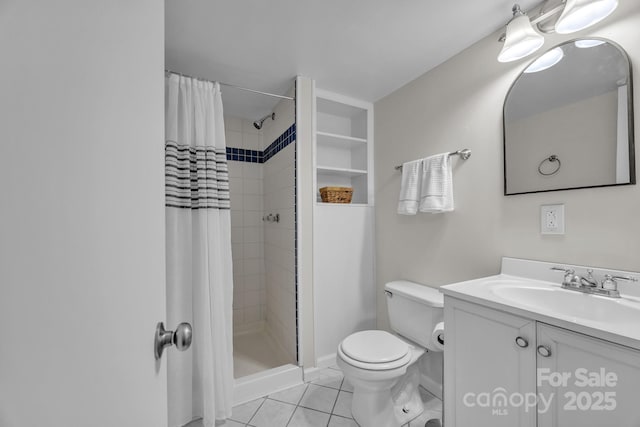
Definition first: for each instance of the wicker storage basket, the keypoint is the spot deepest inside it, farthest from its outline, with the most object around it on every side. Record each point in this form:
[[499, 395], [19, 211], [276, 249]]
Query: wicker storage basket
[[336, 194]]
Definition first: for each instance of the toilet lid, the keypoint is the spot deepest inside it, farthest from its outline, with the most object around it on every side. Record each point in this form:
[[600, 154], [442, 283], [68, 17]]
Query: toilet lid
[[374, 347]]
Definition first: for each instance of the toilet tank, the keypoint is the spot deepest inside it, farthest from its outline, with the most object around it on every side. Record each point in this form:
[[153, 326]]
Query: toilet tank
[[414, 310]]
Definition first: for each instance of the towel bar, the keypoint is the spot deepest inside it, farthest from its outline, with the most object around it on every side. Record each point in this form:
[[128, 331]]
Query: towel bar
[[465, 153]]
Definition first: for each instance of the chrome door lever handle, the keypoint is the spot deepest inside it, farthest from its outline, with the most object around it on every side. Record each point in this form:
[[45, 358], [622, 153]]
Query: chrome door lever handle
[[181, 338]]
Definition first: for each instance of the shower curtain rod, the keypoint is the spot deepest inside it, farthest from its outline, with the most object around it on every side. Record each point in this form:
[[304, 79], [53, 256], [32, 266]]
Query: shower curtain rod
[[233, 86]]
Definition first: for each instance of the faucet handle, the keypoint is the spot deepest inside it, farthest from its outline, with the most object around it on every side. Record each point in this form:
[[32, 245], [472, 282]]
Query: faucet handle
[[570, 278], [610, 282], [627, 278], [566, 270]]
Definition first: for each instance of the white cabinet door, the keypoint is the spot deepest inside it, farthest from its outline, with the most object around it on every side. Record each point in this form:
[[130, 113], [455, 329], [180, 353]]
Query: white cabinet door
[[484, 365], [82, 262], [591, 382]]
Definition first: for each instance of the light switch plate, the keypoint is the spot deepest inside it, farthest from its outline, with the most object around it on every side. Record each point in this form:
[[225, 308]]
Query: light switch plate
[[552, 219]]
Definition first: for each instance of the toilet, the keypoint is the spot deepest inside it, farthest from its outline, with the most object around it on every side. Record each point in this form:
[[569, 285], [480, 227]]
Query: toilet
[[382, 367]]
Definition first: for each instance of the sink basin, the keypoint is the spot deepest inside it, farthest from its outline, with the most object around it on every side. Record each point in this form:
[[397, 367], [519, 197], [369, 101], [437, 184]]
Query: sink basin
[[532, 290], [580, 306]]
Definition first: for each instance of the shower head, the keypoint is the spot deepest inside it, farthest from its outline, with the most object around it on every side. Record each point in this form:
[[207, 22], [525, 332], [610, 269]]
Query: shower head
[[258, 123]]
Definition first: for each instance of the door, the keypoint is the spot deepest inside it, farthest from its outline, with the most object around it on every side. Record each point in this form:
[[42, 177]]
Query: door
[[590, 382], [82, 275], [489, 363]]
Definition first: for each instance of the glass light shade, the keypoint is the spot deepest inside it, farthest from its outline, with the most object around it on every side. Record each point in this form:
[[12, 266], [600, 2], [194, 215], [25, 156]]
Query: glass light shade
[[580, 14], [521, 40], [547, 60]]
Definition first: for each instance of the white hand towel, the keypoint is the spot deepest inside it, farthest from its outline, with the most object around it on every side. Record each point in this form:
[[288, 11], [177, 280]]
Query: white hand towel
[[436, 194], [410, 188]]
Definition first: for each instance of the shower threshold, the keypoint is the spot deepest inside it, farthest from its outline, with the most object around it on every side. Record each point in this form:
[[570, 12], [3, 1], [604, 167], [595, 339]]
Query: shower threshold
[[266, 382]]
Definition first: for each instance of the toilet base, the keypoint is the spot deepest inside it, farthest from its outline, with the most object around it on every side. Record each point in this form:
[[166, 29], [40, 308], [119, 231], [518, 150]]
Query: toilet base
[[373, 406], [406, 396], [385, 402]]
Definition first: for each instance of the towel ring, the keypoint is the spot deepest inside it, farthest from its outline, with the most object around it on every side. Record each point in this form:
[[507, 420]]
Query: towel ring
[[551, 159]]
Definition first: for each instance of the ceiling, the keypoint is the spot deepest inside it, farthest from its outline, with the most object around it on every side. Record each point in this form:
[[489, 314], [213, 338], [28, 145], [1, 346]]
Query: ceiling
[[365, 49]]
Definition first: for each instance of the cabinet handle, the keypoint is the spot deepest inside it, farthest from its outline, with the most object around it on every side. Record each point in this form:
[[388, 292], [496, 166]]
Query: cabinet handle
[[544, 351], [522, 342]]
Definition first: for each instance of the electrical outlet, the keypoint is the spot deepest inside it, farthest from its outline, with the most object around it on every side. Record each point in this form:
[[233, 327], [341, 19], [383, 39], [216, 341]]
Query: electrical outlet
[[552, 219]]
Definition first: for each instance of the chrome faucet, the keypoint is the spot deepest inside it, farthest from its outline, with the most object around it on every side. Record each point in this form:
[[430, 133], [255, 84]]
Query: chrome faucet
[[589, 281], [607, 287]]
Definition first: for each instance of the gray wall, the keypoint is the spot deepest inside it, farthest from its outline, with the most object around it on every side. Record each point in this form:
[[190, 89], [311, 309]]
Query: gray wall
[[459, 105]]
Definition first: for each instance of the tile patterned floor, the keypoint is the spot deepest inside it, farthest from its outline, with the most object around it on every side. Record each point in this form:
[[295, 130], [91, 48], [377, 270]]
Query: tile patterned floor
[[323, 402]]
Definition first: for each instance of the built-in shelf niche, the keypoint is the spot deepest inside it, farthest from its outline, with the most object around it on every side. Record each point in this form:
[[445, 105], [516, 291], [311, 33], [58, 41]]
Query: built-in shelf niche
[[342, 146]]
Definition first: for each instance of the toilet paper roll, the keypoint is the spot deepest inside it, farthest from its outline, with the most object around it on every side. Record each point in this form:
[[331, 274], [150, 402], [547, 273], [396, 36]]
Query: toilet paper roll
[[437, 336]]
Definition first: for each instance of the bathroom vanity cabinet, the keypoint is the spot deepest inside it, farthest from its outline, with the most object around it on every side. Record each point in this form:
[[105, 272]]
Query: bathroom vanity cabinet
[[507, 370]]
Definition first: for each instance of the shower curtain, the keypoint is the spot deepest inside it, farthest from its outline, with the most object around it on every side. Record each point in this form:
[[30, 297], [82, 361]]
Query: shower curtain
[[198, 236]]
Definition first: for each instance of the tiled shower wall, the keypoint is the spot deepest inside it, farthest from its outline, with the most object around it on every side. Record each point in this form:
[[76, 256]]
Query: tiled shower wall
[[262, 182], [247, 229], [279, 238], [280, 251]]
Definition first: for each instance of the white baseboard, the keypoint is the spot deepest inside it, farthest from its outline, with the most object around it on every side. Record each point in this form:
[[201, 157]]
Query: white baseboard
[[431, 386], [326, 361], [313, 373], [310, 374]]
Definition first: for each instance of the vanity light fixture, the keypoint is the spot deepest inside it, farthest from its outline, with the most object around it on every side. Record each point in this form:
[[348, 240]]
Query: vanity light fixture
[[522, 39], [546, 61], [580, 14]]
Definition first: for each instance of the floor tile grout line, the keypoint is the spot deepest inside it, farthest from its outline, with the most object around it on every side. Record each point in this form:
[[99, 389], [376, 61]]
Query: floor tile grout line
[[298, 401], [332, 388], [317, 410], [292, 414], [338, 396], [314, 409], [264, 399], [336, 401], [330, 414], [299, 405]]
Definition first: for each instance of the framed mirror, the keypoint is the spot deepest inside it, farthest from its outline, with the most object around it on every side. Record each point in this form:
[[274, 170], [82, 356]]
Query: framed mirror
[[568, 120]]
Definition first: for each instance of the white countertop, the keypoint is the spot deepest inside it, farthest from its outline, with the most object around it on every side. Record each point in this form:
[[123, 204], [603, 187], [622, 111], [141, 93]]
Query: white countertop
[[612, 319]]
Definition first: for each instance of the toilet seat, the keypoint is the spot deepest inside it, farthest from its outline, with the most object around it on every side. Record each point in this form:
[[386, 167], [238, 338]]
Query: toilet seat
[[374, 350]]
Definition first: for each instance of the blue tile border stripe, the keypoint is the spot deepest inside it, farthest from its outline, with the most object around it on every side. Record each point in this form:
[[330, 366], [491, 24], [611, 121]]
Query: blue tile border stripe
[[255, 156]]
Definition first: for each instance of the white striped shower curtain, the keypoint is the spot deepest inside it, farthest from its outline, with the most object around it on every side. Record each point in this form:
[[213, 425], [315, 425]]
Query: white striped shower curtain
[[199, 266]]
